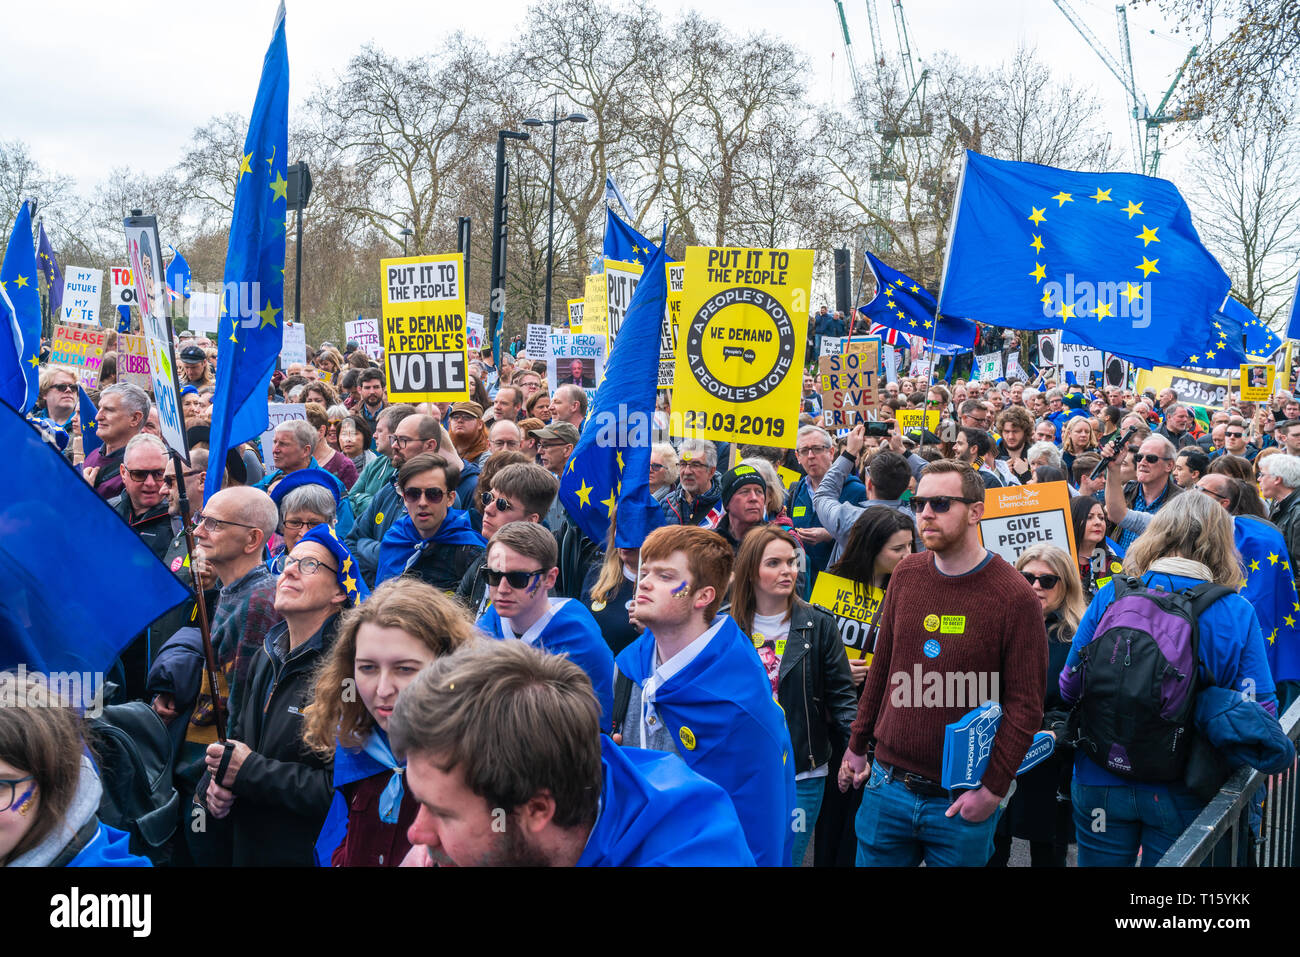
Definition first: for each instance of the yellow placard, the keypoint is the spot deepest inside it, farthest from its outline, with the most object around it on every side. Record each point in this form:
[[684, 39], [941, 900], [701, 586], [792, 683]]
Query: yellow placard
[[739, 370], [575, 315], [595, 312], [1191, 387], [908, 419], [1257, 382], [855, 608], [620, 282], [425, 346], [788, 476], [676, 277], [1023, 515]]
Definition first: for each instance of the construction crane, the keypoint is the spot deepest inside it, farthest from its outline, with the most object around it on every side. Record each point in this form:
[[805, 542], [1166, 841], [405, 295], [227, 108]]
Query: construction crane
[[848, 55], [1144, 133]]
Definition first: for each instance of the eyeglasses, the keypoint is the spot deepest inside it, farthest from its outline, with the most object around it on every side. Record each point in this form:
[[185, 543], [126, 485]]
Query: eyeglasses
[[940, 503], [9, 790], [401, 441], [139, 475], [170, 480], [655, 467], [434, 495], [1212, 493], [297, 524], [211, 524], [65, 386], [503, 505], [500, 444], [516, 579], [1047, 581], [1149, 458], [696, 466], [812, 450], [1234, 435], [306, 566]]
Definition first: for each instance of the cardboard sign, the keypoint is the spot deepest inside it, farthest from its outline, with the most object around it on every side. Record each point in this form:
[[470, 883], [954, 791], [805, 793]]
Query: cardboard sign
[[1014, 371], [81, 295], [426, 343], [293, 348], [204, 311], [1257, 382], [365, 333], [133, 361], [990, 367], [279, 412], [620, 282], [123, 287], [1024, 515], [850, 384], [576, 307], [855, 607], [576, 360], [739, 371], [80, 349], [676, 273], [144, 251], [539, 337], [1191, 387], [475, 331]]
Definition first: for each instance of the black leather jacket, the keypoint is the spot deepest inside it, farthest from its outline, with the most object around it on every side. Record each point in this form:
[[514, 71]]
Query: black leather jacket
[[815, 688]]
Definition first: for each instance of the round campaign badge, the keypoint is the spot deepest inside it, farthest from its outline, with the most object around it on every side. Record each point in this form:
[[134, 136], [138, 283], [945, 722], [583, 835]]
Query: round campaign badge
[[597, 606], [931, 622], [176, 563], [687, 738], [740, 354], [379, 518], [931, 649], [1116, 567]]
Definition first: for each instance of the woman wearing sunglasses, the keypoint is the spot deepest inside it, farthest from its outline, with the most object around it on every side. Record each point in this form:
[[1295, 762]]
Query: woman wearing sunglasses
[[382, 645], [800, 648], [1037, 811]]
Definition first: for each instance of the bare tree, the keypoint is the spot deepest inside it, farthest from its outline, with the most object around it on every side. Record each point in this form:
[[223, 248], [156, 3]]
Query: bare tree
[[22, 177]]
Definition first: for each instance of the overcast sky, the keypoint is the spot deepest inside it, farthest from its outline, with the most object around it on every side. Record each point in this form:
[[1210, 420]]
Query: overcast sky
[[87, 94]]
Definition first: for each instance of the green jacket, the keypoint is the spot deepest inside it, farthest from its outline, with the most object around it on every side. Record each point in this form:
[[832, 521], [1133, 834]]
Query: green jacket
[[372, 478]]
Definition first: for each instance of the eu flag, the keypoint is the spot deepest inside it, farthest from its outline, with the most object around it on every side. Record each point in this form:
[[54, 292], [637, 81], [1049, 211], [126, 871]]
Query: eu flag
[[48, 264], [178, 276], [610, 466], [90, 439], [1112, 257], [52, 628], [1268, 583], [1261, 341], [904, 304], [13, 379], [624, 243], [250, 332], [18, 277]]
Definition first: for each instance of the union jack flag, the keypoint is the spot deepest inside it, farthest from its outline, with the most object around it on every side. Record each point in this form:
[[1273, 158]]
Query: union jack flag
[[891, 336]]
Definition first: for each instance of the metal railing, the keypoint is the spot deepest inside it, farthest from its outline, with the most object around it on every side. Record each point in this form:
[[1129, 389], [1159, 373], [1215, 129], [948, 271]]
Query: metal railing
[[1223, 836]]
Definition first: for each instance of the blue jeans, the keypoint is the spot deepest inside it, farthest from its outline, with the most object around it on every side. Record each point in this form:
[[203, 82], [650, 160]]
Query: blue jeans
[[897, 828], [808, 795], [1113, 821]]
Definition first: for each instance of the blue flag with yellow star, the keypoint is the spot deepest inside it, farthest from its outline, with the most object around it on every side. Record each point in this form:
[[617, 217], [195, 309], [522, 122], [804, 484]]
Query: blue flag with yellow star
[[251, 331], [178, 276], [90, 439], [610, 466], [18, 277], [904, 304], [48, 264], [13, 380], [624, 243], [1261, 341], [1268, 583], [1112, 257]]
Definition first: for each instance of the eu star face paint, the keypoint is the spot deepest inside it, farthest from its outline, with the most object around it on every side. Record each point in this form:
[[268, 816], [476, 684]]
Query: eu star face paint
[[681, 591]]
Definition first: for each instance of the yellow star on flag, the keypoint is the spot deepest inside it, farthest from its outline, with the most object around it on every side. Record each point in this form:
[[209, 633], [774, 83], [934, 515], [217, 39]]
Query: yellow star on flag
[[1103, 309], [928, 324], [268, 315], [1272, 558], [22, 282], [1132, 292], [350, 583], [889, 292], [1209, 355], [1101, 196], [1254, 564], [1148, 266], [1037, 243], [584, 493], [244, 166], [898, 282], [1067, 311], [33, 361], [1046, 299], [609, 503], [1037, 215], [910, 322], [915, 288], [1039, 272], [1192, 360], [347, 562], [1062, 199], [278, 186], [1272, 639], [1290, 622], [1148, 235], [618, 457], [1133, 209]]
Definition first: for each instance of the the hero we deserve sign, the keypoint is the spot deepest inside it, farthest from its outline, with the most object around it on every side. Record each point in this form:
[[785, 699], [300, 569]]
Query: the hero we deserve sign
[[425, 344]]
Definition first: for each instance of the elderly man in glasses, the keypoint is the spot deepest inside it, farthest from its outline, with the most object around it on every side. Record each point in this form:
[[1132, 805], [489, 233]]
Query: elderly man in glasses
[[432, 540], [816, 452], [143, 502]]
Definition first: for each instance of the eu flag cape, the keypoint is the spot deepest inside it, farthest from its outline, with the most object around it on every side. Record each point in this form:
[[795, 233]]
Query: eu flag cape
[[573, 632], [402, 544], [1268, 583], [657, 812], [720, 711]]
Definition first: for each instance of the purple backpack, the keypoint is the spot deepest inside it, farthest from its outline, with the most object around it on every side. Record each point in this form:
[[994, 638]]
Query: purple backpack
[[1138, 683]]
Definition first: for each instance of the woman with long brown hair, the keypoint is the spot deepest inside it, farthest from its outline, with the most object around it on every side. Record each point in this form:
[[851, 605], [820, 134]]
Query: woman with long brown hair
[[381, 646], [800, 648]]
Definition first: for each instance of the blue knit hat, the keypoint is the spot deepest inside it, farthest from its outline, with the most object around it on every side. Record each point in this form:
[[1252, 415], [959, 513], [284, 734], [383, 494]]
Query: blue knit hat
[[353, 585]]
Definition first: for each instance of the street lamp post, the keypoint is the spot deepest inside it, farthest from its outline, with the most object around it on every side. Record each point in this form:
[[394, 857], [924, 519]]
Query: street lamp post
[[404, 234], [553, 122], [500, 214]]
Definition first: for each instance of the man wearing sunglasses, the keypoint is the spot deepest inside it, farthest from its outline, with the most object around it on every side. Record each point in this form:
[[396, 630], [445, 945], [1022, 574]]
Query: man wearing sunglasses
[[1148, 492], [521, 571], [956, 612], [432, 540], [143, 502], [1234, 440]]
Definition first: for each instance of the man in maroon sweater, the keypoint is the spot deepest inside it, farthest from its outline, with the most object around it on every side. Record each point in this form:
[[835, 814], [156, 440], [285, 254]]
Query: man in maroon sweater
[[959, 625]]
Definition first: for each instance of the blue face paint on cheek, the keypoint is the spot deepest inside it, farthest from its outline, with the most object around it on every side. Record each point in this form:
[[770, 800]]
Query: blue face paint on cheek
[[679, 591], [21, 804]]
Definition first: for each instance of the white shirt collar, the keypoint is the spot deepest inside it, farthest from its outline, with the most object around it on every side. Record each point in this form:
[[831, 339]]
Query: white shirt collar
[[531, 636], [665, 672]]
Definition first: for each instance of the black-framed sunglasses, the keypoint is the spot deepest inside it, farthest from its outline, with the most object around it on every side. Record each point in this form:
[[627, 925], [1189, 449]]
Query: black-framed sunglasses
[[940, 503], [64, 387], [516, 580], [1149, 458], [139, 475], [487, 498], [433, 495], [1047, 581]]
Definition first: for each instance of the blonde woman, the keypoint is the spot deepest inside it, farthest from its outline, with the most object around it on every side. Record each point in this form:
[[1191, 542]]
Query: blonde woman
[[1076, 438], [1036, 813], [382, 644], [1188, 543]]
